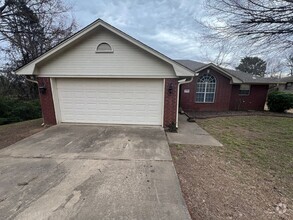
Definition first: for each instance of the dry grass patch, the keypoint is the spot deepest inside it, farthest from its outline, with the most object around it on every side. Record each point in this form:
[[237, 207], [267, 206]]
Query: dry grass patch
[[11, 133], [248, 178]]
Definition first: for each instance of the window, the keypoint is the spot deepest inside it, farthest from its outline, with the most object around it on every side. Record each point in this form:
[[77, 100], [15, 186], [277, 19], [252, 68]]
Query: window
[[104, 48], [244, 89], [205, 89]]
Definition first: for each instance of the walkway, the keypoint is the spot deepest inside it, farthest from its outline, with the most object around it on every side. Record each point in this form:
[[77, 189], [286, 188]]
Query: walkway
[[190, 133]]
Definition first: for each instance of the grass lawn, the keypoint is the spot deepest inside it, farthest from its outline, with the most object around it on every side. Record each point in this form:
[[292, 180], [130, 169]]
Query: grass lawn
[[11, 133], [250, 177], [263, 142]]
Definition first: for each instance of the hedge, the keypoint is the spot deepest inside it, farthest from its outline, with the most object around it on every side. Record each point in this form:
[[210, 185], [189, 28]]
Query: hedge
[[15, 110], [280, 101]]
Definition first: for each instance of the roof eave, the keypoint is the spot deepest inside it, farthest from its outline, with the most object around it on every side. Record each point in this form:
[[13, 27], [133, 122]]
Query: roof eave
[[234, 79]]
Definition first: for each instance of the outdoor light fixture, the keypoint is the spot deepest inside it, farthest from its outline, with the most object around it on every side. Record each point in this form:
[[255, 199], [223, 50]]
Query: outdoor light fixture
[[42, 89], [170, 89]]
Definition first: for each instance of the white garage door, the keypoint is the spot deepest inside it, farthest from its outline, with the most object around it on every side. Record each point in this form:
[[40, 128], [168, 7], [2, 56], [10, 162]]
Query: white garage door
[[114, 101]]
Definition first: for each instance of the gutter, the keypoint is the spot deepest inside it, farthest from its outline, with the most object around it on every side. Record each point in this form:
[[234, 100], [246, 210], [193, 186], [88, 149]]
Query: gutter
[[181, 82]]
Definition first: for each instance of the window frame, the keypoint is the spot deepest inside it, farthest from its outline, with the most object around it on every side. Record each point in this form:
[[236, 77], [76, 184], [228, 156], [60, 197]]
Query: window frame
[[205, 89], [248, 90], [104, 51]]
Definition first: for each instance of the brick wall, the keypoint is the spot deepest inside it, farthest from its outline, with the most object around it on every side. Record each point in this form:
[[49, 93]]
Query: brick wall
[[47, 101], [222, 96], [254, 101], [170, 102]]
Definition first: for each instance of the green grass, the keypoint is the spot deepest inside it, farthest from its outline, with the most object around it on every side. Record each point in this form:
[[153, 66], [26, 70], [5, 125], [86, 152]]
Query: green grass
[[264, 142]]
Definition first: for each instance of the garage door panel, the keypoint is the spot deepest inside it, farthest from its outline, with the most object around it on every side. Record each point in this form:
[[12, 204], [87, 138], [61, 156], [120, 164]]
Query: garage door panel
[[117, 101]]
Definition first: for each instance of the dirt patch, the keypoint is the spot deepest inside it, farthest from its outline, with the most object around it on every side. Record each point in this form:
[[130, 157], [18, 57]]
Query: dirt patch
[[217, 188], [10, 134]]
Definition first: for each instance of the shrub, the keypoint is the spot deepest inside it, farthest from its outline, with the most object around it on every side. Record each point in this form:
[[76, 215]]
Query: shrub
[[15, 110], [280, 101]]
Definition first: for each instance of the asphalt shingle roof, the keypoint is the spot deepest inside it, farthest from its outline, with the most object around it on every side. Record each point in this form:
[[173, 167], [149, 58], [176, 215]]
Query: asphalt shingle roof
[[287, 79], [242, 76]]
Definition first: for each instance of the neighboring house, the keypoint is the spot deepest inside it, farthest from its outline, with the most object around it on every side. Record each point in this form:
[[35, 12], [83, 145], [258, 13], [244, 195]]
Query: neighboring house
[[286, 84], [220, 89], [102, 75]]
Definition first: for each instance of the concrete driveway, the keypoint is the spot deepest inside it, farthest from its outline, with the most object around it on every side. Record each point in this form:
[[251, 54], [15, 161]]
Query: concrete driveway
[[90, 172]]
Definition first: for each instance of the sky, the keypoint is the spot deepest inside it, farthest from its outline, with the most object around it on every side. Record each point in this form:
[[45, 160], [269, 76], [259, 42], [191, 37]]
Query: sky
[[168, 26]]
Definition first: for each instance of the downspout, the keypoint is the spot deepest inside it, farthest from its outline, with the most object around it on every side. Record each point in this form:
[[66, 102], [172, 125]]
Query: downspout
[[180, 82], [32, 81], [36, 82]]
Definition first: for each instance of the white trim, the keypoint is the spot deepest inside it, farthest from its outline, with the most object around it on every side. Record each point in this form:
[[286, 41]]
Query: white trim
[[163, 102], [55, 97], [111, 76], [180, 82], [104, 51], [205, 90], [179, 69], [234, 79]]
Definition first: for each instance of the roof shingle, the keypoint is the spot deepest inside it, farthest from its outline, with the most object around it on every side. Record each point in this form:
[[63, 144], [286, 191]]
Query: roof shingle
[[242, 76]]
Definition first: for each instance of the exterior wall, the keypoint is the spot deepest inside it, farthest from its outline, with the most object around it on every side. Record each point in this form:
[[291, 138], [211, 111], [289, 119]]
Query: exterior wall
[[127, 60], [254, 101], [288, 87], [222, 96], [47, 101], [170, 102]]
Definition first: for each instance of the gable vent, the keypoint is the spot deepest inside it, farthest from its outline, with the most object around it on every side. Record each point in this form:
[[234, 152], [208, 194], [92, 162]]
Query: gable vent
[[104, 48]]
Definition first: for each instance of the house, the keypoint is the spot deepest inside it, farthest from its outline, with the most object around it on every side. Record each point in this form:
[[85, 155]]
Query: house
[[220, 89], [286, 84], [102, 75]]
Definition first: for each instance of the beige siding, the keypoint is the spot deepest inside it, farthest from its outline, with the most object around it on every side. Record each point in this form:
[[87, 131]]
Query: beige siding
[[127, 60]]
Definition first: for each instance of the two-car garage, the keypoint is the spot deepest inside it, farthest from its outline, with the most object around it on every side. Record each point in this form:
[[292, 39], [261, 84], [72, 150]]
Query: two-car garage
[[112, 101], [102, 75]]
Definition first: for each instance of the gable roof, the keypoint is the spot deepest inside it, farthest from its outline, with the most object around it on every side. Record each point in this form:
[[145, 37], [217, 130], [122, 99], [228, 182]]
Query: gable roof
[[236, 75], [30, 68]]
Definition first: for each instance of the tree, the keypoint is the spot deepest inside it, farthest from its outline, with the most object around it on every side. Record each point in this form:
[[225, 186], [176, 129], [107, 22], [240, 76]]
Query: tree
[[265, 24], [290, 64], [28, 28], [253, 65]]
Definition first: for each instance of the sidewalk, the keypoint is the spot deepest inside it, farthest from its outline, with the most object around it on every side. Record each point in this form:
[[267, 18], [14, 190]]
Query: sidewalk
[[190, 133]]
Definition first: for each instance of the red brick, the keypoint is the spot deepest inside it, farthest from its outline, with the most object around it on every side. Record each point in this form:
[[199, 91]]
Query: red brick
[[226, 98], [222, 96], [47, 103], [254, 101], [170, 102]]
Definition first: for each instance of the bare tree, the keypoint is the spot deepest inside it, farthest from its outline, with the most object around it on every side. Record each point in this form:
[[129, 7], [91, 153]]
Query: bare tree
[[28, 28], [264, 24], [289, 64]]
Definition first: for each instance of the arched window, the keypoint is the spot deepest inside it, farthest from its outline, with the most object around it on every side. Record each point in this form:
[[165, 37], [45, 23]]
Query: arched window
[[205, 89], [104, 48]]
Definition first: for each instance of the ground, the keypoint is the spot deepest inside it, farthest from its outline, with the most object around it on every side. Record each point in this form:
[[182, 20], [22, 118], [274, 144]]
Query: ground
[[250, 177], [11, 133]]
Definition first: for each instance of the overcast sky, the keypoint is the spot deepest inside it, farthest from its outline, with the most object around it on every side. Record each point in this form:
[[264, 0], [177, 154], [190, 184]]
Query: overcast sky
[[168, 26]]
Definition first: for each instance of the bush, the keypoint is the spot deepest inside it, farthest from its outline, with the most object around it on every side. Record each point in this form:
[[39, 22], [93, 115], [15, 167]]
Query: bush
[[15, 110], [280, 101]]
